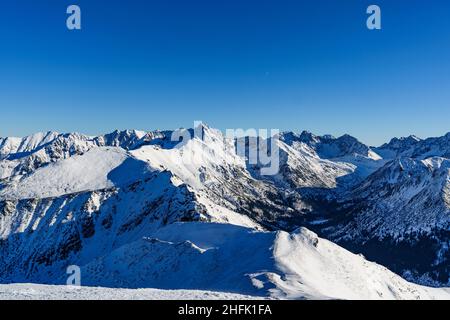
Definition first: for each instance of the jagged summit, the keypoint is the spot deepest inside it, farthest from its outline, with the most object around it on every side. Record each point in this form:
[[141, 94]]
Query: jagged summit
[[399, 145], [329, 147], [415, 147]]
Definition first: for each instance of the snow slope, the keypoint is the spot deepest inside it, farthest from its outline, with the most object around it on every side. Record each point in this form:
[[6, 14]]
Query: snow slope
[[226, 258], [399, 216], [406, 196], [97, 169], [21, 156]]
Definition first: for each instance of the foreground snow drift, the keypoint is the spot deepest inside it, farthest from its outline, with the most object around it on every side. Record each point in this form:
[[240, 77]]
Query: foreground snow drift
[[227, 258], [43, 292]]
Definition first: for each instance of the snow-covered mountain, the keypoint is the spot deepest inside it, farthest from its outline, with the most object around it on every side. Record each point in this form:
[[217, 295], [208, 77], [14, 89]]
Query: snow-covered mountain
[[415, 147], [357, 159], [139, 209], [400, 216], [227, 258], [329, 147]]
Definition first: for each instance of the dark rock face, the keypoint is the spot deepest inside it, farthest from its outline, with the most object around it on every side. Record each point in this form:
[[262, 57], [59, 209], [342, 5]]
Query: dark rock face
[[58, 232]]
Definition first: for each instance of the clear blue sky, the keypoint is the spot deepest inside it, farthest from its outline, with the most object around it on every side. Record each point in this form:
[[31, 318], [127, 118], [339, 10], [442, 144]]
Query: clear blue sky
[[160, 64]]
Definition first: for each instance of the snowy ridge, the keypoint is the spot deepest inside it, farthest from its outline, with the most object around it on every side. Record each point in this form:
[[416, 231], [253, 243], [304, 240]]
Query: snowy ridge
[[405, 196], [21, 156], [415, 147], [221, 257], [96, 169], [132, 201]]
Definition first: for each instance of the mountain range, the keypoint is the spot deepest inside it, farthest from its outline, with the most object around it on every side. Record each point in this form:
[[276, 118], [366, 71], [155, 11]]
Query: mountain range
[[135, 209]]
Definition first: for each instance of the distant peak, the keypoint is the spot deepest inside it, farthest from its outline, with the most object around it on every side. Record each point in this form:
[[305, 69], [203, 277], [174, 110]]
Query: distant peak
[[307, 136], [306, 133], [401, 143], [329, 137], [410, 138], [346, 136]]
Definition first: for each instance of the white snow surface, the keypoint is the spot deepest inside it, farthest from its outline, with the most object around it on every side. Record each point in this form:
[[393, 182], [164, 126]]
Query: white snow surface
[[97, 169], [227, 258], [28, 291]]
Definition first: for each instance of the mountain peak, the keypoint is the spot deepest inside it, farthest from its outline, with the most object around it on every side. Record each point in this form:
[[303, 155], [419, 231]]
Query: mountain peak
[[308, 137]]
